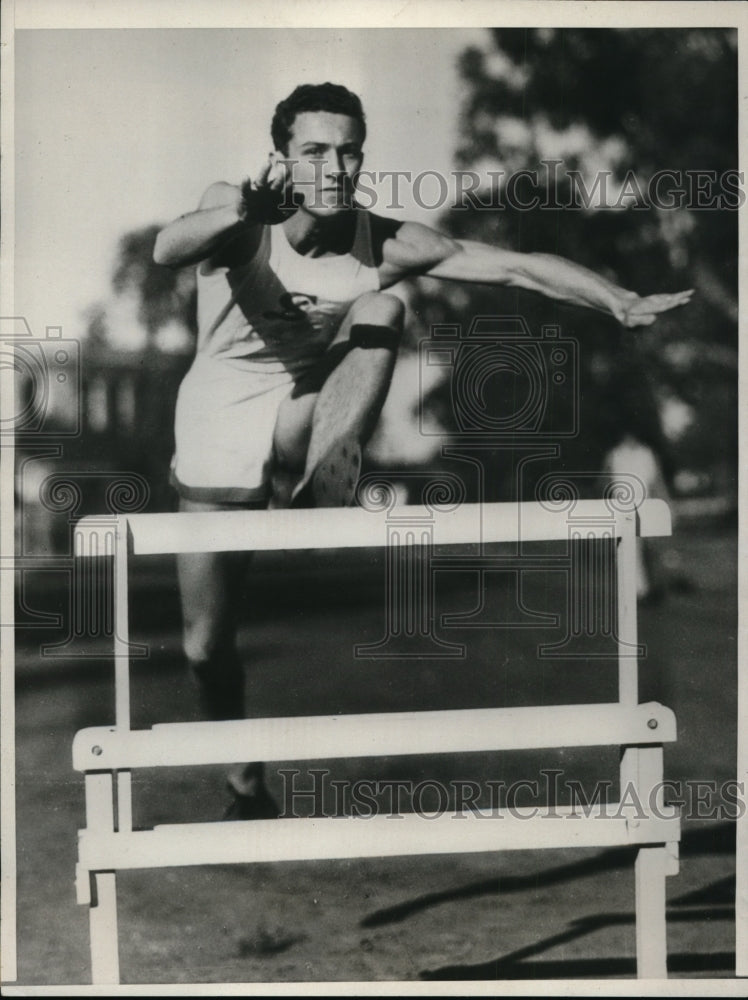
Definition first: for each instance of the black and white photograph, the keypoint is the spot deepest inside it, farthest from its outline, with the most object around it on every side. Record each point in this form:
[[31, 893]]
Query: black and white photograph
[[370, 489]]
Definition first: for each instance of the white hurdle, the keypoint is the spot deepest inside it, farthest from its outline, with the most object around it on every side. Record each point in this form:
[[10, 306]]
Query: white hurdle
[[107, 755]]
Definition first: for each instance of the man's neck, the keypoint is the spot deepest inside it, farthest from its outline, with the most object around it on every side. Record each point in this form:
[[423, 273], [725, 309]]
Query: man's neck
[[315, 237]]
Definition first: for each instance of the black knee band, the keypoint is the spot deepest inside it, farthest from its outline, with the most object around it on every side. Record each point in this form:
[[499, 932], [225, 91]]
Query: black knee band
[[367, 335]]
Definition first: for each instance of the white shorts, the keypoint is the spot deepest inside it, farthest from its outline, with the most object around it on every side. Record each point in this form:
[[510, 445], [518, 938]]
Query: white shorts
[[224, 426]]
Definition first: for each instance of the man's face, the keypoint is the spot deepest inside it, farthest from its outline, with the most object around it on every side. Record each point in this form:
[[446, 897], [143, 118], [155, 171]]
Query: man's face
[[325, 154]]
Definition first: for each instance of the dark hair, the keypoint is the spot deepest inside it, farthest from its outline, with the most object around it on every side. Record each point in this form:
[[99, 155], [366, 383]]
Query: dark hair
[[314, 97]]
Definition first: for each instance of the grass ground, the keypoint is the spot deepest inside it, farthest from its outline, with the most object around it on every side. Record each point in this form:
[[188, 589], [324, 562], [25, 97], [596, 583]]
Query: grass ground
[[551, 914]]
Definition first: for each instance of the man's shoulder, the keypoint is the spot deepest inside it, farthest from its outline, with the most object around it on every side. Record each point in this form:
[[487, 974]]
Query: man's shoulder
[[406, 242], [372, 233], [382, 226]]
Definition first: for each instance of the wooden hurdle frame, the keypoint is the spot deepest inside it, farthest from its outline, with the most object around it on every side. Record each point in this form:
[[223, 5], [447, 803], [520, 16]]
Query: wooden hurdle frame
[[107, 755]]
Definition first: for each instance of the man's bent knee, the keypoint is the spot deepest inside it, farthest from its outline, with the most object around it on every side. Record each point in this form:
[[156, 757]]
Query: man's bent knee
[[376, 321], [378, 309]]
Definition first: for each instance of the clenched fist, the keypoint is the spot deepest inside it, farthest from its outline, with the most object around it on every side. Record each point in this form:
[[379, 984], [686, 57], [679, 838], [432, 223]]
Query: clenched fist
[[269, 198]]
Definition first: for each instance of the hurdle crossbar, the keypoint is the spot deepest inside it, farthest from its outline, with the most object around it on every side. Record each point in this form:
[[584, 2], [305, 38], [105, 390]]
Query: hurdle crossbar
[[372, 735], [336, 837], [355, 527]]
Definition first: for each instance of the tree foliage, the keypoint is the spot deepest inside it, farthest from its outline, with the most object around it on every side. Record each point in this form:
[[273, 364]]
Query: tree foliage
[[162, 295], [631, 102]]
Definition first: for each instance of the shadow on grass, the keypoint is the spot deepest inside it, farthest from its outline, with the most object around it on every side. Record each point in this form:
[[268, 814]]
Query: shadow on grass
[[713, 902], [719, 964], [719, 839], [514, 966]]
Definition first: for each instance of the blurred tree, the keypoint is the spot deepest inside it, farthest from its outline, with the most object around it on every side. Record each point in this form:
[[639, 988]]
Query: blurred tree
[[138, 346], [163, 299], [629, 103], [164, 294]]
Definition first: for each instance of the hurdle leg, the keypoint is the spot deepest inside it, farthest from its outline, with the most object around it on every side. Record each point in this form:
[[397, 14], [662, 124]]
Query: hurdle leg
[[121, 630], [641, 785], [627, 625], [102, 914], [651, 868], [102, 917]]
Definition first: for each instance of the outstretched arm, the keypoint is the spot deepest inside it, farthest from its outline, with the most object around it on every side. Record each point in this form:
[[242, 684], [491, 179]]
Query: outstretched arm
[[555, 277]]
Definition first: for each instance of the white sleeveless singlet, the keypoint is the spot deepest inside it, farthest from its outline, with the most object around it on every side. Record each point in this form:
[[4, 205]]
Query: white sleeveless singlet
[[261, 327]]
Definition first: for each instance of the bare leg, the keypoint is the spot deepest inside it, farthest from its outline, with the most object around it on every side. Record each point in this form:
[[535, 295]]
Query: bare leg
[[210, 586], [347, 404], [209, 583]]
